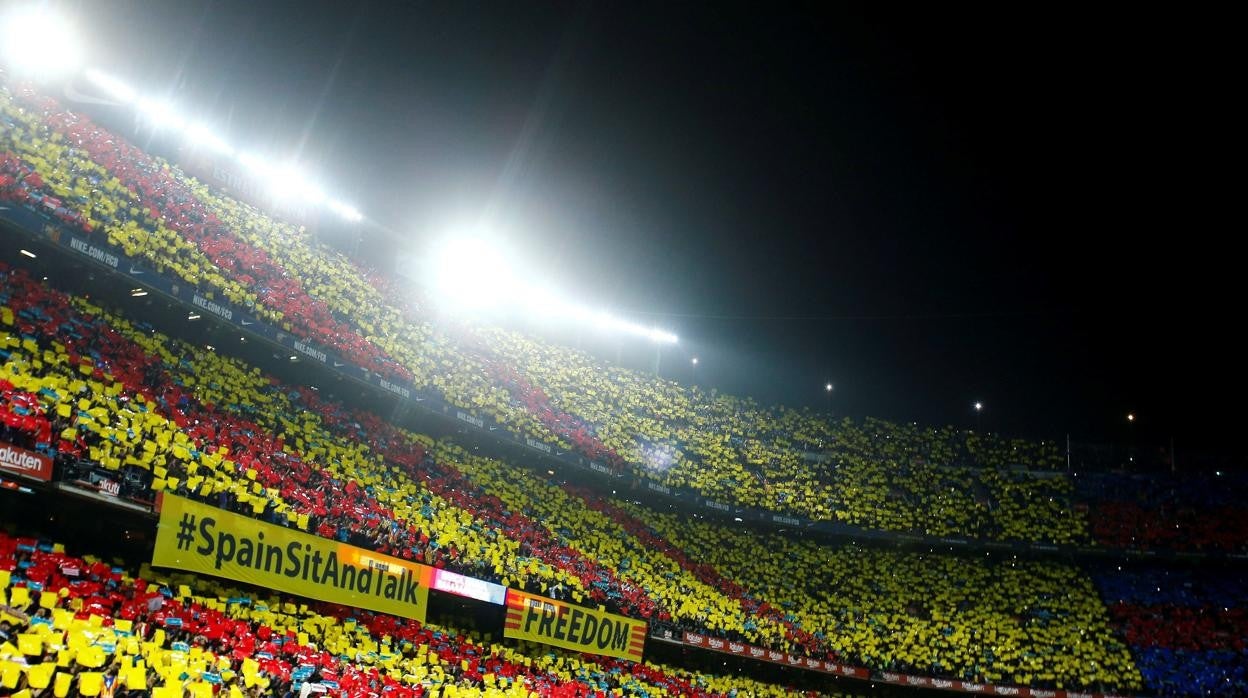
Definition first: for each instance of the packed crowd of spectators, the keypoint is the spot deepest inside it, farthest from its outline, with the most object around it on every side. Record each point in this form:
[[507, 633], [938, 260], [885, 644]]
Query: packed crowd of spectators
[[872, 473], [973, 618], [901, 477], [727, 448], [188, 420], [1192, 511], [198, 424], [77, 626], [85, 386], [1187, 628]]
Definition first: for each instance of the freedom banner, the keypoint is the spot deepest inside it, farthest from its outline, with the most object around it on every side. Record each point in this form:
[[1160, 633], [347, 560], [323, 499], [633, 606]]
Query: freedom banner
[[200, 538], [539, 619]]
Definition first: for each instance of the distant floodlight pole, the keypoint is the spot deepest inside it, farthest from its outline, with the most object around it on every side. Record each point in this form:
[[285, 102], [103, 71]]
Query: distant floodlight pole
[[827, 396], [693, 371], [1131, 438], [979, 409]]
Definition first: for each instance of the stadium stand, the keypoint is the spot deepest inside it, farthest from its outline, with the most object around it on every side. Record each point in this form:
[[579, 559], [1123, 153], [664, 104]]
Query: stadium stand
[[1187, 629], [723, 447], [99, 392], [1023, 622], [1167, 512], [272, 478], [187, 420]]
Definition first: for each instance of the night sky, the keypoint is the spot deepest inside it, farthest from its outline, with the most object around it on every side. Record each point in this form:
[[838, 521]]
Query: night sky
[[927, 205]]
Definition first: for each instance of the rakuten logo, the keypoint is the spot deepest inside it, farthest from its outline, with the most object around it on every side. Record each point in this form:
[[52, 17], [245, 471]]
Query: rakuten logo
[[23, 462], [19, 459]]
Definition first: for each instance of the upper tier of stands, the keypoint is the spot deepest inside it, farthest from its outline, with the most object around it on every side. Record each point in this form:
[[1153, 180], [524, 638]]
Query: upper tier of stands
[[868, 473], [872, 473]]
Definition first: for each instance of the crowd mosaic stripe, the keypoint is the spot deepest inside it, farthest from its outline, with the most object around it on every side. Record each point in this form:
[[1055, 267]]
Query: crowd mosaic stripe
[[34, 223]]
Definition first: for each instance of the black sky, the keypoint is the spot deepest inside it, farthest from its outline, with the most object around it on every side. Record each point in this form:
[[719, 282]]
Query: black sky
[[928, 205]]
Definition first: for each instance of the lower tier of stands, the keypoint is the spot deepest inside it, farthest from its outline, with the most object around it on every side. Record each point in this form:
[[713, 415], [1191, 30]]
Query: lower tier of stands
[[77, 625]]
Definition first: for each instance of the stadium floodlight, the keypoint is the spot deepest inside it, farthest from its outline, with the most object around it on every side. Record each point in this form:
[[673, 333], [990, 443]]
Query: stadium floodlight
[[662, 336], [312, 194], [542, 303], [160, 114], [469, 274], [40, 43], [256, 164], [347, 211], [111, 86], [604, 321], [288, 183], [827, 387], [472, 274], [979, 407], [201, 136]]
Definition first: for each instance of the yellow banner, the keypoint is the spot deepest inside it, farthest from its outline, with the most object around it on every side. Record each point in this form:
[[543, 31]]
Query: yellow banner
[[200, 538], [537, 618]]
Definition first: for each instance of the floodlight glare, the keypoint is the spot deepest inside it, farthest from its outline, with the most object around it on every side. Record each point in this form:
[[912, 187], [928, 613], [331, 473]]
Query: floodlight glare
[[160, 114], [312, 194], [543, 304], [287, 183], [111, 86], [39, 43], [347, 211], [471, 274], [256, 164], [661, 336], [200, 136]]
